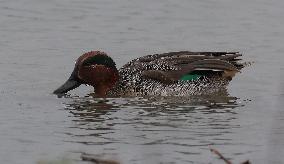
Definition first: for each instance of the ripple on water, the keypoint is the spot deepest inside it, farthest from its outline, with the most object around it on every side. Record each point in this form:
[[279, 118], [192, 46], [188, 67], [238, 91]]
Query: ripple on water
[[152, 123]]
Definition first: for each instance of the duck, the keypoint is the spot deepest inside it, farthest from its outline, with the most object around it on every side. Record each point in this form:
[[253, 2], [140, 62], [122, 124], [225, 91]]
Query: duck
[[180, 73]]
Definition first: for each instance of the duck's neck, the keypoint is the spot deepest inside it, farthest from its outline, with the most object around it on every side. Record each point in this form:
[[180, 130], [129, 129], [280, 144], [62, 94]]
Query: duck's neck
[[101, 91], [106, 85]]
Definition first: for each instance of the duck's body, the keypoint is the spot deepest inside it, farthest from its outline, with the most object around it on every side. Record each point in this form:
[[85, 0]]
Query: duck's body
[[169, 74]]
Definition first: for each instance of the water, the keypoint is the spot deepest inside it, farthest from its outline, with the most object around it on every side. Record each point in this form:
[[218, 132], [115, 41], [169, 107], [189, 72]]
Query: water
[[40, 40]]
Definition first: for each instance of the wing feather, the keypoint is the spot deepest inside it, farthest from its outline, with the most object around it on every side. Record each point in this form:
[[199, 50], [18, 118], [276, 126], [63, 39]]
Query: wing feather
[[170, 67]]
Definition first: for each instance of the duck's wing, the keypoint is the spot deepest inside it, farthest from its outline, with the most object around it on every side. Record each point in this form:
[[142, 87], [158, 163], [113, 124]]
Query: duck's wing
[[173, 66]]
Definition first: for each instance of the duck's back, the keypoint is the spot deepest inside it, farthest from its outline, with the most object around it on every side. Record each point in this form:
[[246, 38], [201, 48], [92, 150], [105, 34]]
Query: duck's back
[[177, 73]]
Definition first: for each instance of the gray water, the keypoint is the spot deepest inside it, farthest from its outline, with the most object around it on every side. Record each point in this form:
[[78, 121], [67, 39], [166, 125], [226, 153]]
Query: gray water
[[40, 41]]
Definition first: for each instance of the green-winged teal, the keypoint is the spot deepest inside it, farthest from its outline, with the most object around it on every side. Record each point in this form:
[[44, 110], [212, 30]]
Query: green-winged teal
[[169, 74]]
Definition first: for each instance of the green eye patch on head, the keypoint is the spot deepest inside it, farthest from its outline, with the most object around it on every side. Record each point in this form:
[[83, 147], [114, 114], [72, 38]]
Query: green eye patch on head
[[100, 60]]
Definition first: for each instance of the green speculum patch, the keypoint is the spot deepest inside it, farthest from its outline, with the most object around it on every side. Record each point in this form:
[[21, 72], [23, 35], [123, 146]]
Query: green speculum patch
[[195, 75], [188, 77]]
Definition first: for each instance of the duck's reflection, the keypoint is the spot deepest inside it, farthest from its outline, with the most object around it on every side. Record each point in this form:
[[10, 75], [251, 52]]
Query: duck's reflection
[[115, 124], [90, 109]]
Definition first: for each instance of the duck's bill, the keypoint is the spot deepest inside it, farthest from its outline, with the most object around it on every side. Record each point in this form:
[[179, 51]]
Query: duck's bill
[[67, 86]]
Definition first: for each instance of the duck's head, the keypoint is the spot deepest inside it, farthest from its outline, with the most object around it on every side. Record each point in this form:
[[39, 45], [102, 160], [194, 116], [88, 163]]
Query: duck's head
[[94, 68]]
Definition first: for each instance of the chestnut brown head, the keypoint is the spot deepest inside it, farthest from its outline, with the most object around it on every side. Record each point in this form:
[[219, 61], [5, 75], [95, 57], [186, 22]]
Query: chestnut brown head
[[94, 68]]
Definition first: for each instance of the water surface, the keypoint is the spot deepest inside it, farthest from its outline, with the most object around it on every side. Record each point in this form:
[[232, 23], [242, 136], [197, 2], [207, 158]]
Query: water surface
[[40, 41]]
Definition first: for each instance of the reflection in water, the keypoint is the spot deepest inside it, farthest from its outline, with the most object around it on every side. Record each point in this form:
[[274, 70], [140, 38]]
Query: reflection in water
[[90, 110], [156, 128]]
